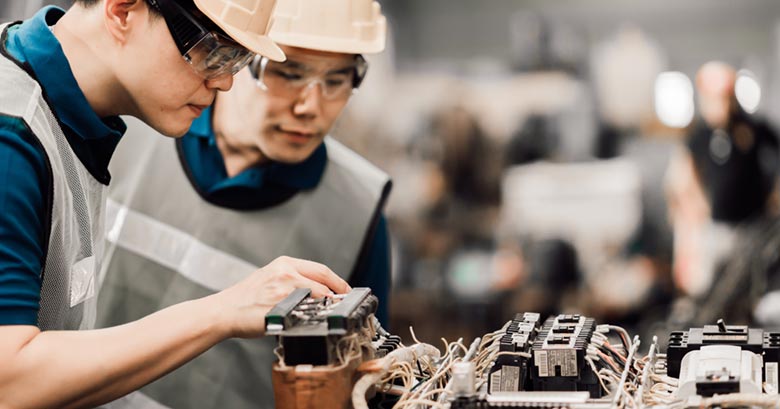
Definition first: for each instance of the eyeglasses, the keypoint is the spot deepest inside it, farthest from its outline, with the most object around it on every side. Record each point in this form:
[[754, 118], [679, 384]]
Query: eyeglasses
[[210, 53], [290, 77]]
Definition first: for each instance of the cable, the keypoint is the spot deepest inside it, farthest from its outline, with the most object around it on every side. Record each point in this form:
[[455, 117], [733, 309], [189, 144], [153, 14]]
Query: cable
[[401, 355]]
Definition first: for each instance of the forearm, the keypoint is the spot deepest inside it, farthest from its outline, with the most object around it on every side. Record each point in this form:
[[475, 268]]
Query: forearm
[[69, 369], [88, 368]]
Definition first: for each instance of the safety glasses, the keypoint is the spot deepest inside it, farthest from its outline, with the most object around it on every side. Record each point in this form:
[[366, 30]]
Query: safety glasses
[[209, 52], [290, 77]]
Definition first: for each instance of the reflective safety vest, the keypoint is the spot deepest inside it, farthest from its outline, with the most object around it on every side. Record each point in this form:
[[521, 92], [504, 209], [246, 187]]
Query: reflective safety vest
[[167, 245], [76, 201]]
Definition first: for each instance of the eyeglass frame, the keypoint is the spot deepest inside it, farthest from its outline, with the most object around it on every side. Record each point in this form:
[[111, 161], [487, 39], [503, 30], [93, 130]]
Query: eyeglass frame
[[170, 9], [258, 66]]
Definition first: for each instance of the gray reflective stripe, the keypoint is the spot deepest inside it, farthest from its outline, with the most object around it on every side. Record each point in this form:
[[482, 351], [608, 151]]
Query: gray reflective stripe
[[135, 400], [173, 248]]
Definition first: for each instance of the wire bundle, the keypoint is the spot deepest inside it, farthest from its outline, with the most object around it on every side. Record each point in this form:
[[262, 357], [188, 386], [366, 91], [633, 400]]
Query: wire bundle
[[432, 377], [611, 362], [422, 375], [656, 388]]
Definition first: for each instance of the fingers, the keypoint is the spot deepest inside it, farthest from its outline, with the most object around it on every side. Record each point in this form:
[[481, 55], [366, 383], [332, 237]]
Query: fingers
[[317, 290], [318, 273]]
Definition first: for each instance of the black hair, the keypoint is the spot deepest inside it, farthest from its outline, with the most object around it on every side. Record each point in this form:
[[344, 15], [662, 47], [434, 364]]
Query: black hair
[[92, 3]]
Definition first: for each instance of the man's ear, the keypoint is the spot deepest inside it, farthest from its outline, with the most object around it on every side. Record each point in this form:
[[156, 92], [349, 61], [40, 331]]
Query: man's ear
[[121, 15]]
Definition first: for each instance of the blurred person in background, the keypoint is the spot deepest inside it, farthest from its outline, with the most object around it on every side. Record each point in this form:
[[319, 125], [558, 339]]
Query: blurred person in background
[[256, 177], [534, 140], [723, 206], [545, 274], [546, 277], [447, 240], [464, 178], [562, 273]]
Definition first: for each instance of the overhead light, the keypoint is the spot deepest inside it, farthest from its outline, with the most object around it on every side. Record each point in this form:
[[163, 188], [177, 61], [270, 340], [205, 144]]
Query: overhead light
[[674, 99], [748, 91]]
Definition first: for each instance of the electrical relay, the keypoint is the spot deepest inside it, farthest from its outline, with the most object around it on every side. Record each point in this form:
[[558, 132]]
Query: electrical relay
[[559, 356], [510, 371]]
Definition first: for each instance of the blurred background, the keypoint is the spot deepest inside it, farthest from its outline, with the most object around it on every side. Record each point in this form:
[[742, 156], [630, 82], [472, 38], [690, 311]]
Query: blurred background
[[547, 156]]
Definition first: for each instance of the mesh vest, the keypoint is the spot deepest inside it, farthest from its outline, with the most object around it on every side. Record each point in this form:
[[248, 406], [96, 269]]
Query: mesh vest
[[75, 229], [168, 245]]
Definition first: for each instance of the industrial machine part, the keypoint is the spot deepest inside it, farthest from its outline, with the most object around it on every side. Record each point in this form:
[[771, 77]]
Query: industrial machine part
[[719, 370], [711, 367], [756, 340], [559, 356], [569, 362], [511, 371], [321, 343], [314, 331], [309, 387], [341, 355]]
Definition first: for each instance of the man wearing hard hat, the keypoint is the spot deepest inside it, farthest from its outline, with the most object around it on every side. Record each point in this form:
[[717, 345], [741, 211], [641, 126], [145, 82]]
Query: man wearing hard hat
[[65, 79], [255, 177]]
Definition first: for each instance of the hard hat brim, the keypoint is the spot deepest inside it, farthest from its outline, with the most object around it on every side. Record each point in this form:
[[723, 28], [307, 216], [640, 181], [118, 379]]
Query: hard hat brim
[[260, 44]]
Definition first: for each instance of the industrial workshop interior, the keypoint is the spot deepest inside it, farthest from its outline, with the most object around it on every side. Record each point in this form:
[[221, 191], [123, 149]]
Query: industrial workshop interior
[[445, 204]]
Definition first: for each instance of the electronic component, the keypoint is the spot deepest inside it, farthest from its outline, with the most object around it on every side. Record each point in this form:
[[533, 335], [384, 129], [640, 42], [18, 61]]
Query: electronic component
[[559, 356], [714, 366], [383, 342], [322, 343], [568, 362], [755, 340], [310, 329], [530, 357], [510, 371], [719, 369]]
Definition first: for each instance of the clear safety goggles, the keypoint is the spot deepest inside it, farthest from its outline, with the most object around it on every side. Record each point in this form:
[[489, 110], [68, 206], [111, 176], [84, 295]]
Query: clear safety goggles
[[209, 52], [289, 78]]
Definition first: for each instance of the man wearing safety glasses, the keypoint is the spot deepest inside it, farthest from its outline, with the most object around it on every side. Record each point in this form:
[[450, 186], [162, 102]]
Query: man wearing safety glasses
[[255, 177], [65, 79]]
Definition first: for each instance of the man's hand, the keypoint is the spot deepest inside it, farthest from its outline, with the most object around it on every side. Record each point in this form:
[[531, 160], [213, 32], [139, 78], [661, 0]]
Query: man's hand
[[245, 304]]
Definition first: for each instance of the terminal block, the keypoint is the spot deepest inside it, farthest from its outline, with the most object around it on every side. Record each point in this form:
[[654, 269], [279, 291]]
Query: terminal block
[[559, 356], [510, 372], [310, 329]]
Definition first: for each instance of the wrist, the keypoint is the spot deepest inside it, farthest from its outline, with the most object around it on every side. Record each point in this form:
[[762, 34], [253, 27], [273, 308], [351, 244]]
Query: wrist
[[217, 316]]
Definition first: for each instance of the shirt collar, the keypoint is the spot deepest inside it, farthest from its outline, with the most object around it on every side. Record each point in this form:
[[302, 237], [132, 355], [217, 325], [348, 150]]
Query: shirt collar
[[300, 176], [304, 175], [201, 126], [42, 51]]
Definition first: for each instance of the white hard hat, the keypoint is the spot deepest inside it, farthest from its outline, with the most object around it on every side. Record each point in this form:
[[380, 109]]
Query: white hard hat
[[246, 21], [341, 26]]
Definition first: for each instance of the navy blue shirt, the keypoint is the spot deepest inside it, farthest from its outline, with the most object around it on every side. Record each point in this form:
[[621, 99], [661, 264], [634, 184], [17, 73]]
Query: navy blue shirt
[[25, 175], [271, 184]]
